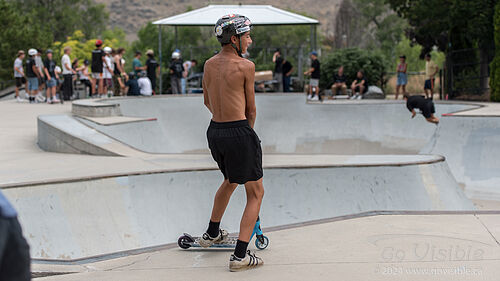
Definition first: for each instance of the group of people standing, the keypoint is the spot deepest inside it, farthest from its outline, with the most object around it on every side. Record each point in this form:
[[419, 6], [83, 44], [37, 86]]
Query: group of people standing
[[108, 72], [282, 71], [104, 73], [39, 75], [431, 70], [150, 71]]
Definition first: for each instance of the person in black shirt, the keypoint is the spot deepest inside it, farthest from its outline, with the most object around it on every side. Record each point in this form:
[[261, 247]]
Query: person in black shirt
[[52, 78], [132, 85], [359, 86], [339, 83], [426, 106], [315, 73], [176, 70], [287, 74], [278, 69], [32, 74], [152, 68], [96, 67]]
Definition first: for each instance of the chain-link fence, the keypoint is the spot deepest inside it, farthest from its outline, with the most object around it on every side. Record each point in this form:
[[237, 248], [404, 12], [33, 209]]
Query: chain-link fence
[[467, 73]]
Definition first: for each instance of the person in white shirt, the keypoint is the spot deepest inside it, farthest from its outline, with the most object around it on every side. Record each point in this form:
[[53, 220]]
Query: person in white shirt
[[145, 84], [107, 70], [41, 80], [67, 73], [84, 75], [188, 65], [19, 74]]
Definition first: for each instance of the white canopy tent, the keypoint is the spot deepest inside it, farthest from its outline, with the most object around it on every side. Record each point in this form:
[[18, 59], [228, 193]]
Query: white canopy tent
[[258, 14]]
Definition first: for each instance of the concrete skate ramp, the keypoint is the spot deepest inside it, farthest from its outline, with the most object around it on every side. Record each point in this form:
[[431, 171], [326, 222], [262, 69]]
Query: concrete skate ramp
[[69, 221], [285, 124], [471, 146]]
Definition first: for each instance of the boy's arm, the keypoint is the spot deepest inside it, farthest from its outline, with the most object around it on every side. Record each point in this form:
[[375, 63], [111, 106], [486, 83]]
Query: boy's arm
[[46, 73], [206, 100], [35, 70], [18, 70], [411, 109], [250, 108]]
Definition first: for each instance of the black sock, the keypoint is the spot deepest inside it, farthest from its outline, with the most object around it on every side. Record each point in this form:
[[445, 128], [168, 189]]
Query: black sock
[[241, 249], [213, 229]]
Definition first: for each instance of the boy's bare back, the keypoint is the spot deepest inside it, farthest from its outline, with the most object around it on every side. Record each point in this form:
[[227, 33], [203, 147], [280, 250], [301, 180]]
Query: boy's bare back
[[228, 87]]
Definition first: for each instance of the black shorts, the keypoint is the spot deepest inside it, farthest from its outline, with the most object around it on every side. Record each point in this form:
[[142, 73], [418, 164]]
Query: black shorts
[[429, 84], [236, 148], [20, 81], [428, 109]]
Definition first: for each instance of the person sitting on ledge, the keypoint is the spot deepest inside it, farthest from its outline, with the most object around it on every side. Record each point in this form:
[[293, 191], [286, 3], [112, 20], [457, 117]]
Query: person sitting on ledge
[[359, 86], [339, 83]]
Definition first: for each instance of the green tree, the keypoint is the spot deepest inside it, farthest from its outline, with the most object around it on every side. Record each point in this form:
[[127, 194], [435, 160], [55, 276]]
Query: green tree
[[81, 48], [383, 26], [448, 24], [495, 65], [452, 26], [19, 32], [372, 63], [65, 16]]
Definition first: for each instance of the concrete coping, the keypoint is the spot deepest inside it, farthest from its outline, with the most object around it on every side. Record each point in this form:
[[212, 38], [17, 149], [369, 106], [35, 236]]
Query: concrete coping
[[271, 161], [478, 109]]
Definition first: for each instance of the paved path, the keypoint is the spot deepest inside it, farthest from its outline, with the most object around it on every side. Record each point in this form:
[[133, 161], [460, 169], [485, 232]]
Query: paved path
[[387, 247]]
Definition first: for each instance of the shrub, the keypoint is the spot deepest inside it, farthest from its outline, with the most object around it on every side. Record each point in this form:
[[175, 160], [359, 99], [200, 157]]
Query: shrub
[[495, 64], [353, 59]]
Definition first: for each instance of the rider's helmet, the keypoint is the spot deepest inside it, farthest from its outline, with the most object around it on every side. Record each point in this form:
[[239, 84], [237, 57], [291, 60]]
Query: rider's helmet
[[230, 25], [176, 55], [32, 52]]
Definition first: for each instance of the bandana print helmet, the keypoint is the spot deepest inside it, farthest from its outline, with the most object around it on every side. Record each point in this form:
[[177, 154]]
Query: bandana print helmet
[[230, 25]]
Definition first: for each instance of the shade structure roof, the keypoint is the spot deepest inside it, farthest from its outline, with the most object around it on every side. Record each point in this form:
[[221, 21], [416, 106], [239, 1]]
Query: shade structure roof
[[258, 15]]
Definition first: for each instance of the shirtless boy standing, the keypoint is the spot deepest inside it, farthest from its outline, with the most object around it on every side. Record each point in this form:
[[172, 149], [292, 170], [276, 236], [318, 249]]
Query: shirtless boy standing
[[228, 89]]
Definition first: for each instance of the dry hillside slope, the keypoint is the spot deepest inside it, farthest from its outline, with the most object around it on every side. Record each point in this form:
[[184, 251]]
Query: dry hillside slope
[[131, 15]]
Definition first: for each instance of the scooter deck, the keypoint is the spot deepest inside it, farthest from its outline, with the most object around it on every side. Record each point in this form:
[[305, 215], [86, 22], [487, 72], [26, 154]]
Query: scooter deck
[[187, 241], [230, 242]]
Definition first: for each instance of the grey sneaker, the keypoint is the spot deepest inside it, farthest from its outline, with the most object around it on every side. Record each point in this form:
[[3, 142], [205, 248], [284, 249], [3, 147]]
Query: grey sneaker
[[248, 262], [207, 241]]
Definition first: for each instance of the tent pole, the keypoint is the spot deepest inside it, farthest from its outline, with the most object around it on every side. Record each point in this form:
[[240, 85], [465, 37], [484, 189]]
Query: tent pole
[[159, 54], [176, 45], [312, 37], [315, 38]]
